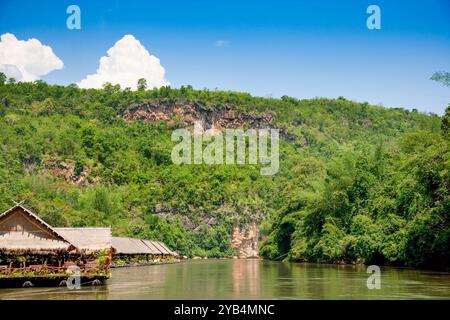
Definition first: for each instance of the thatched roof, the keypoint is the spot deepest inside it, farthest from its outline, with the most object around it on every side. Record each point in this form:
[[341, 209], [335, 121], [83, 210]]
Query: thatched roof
[[160, 247], [130, 246], [162, 244], [23, 232], [124, 245], [16, 243], [87, 240], [152, 247], [41, 225]]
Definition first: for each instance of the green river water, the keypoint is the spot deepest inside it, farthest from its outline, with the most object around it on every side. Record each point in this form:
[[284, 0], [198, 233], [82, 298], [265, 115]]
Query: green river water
[[251, 279]]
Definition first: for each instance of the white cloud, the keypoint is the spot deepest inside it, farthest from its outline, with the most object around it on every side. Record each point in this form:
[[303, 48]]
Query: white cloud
[[125, 63], [26, 60], [11, 71]]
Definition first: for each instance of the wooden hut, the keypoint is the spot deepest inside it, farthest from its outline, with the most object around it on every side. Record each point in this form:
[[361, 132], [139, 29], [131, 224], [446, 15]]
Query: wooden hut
[[136, 251], [123, 245], [23, 233], [131, 251], [92, 246], [29, 247], [87, 241]]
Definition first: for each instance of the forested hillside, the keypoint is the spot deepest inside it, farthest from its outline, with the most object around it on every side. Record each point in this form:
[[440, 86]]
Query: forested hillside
[[357, 182]]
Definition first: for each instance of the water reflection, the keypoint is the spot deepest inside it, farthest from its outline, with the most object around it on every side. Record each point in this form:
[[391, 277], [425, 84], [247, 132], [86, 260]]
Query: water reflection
[[246, 278], [251, 279]]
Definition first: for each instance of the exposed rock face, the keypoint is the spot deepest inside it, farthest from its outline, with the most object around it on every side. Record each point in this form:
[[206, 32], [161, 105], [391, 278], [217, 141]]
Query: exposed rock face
[[67, 171], [217, 117], [190, 112], [245, 241]]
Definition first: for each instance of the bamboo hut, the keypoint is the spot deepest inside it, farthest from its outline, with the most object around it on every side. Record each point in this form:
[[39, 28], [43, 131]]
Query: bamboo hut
[[28, 245], [130, 246], [137, 252], [23, 233], [132, 251], [32, 249], [90, 244], [87, 241]]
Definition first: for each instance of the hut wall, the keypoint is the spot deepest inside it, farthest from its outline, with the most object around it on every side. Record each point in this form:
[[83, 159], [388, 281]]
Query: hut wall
[[18, 221]]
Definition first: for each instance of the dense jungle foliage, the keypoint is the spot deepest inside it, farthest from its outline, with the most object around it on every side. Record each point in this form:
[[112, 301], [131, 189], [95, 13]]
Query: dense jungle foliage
[[359, 183]]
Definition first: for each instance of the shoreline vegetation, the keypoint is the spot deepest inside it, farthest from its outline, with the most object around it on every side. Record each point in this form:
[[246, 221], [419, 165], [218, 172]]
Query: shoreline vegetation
[[357, 182]]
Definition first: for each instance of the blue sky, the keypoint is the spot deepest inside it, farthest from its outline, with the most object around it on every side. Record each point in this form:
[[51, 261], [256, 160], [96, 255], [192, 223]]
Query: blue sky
[[297, 48]]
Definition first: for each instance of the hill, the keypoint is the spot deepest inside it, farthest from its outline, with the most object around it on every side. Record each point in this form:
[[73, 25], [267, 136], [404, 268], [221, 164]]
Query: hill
[[356, 182]]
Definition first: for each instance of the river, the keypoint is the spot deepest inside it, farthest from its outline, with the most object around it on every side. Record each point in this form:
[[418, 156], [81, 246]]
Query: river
[[251, 279]]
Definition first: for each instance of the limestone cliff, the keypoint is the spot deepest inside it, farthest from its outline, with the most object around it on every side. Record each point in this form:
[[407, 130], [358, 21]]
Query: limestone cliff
[[245, 241], [216, 117]]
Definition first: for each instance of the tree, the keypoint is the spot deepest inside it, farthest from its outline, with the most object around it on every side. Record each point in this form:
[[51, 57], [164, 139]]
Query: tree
[[445, 126], [142, 84], [443, 77], [2, 78]]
